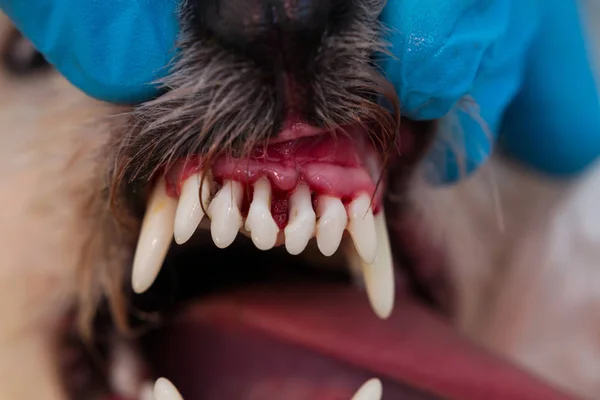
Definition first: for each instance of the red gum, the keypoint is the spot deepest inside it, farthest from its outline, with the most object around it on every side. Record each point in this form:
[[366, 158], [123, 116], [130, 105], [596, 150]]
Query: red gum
[[330, 166]]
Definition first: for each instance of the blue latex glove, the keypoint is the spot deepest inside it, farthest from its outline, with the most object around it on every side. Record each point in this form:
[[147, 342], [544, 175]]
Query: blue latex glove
[[111, 49], [527, 55], [489, 49]]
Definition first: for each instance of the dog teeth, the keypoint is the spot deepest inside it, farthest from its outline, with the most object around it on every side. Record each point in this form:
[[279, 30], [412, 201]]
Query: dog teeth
[[224, 211], [190, 211], [167, 217], [331, 225], [361, 227], [371, 390], [165, 390], [155, 237], [378, 275], [260, 222], [302, 221]]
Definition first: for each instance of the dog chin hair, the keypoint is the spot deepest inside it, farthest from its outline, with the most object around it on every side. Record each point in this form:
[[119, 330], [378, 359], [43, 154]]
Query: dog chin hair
[[522, 249]]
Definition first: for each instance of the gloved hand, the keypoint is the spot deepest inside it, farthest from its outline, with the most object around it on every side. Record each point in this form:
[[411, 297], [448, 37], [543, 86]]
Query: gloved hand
[[111, 49], [524, 64], [493, 51]]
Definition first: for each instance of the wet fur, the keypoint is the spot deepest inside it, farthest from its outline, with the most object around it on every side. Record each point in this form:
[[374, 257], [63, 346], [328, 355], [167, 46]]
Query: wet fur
[[522, 251]]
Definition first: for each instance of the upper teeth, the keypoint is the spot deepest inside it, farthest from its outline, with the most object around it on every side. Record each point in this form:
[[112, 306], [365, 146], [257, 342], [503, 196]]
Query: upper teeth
[[260, 222], [332, 223], [166, 217], [362, 228], [378, 275], [301, 226], [189, 211], [224, 212]]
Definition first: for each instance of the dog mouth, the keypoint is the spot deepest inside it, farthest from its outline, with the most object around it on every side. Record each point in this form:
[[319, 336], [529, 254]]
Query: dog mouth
[[318, 188], [280, 275], [250, 252]]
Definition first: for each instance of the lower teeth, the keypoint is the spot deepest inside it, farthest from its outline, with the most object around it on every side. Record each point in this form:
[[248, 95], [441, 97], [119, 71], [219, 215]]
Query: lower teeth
[[164, 390], [371, 390]]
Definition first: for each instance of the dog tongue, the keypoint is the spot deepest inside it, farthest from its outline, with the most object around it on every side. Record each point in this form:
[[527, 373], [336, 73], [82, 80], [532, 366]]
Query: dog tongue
[[321, 342]]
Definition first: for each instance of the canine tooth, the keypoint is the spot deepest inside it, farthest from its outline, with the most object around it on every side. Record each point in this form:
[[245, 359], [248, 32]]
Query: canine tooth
[[260, 222], [155, 237], [331, 224], [224, 211], [165, 390], [371, 390], [190, 210], [302, 221], [362, 227], [379, 275]]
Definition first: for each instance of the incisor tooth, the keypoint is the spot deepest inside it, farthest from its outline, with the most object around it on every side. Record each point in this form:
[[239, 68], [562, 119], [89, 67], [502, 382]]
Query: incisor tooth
[[165, 390], [155, 237], [224, 211], [362, 227], [190, 211], [371, 390], [331, 224], [260, 222], [301, 226], [378, 275]]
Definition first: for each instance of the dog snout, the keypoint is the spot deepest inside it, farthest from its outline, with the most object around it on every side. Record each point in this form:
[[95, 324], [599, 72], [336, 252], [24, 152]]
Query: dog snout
[[281, 34]]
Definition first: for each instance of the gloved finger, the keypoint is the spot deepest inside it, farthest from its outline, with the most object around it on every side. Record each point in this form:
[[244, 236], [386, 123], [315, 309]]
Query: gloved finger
[[112, 50], [439, 48], [467, 136], [554, 124]]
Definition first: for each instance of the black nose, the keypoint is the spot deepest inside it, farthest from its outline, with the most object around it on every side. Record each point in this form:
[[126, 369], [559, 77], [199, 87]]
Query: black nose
[[286, 33]]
